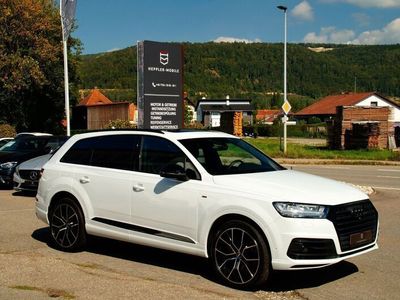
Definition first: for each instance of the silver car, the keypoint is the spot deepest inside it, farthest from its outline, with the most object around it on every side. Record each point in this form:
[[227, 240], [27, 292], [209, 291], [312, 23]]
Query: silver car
[[27, 174]]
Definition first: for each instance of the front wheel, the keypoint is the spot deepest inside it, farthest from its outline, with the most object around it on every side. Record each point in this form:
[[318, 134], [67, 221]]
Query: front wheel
[[67, 225], [239, 255]]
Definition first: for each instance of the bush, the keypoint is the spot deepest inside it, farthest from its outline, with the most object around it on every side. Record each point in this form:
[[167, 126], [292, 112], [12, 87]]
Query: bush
[[7, 130], [120, 124]]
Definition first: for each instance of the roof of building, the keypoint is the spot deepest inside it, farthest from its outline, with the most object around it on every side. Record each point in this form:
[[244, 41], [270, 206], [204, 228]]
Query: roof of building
[[230, 107], [327, 105], [268, 115], [213, 102], [94, 98]]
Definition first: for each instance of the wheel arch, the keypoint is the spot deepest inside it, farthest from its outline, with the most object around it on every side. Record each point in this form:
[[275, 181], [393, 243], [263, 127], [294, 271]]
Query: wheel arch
[[230, 217], [59, 196]]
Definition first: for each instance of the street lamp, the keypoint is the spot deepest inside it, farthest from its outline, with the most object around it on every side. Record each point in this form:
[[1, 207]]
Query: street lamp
[[286, 105]]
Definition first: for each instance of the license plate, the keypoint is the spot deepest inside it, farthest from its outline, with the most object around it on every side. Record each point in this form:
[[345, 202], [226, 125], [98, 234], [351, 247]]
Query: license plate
[[360, 238]]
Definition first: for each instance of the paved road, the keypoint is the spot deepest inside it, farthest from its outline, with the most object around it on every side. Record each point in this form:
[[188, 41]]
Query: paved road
[[379, 177]]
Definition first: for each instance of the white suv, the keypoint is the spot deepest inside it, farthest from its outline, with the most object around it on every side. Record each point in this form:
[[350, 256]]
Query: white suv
[[203, 193]]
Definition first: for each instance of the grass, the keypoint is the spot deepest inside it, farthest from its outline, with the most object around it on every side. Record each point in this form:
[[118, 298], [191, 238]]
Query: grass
[[272, 148]]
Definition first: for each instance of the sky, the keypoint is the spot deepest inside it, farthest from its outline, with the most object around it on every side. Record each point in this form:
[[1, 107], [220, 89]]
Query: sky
[[109, 25]]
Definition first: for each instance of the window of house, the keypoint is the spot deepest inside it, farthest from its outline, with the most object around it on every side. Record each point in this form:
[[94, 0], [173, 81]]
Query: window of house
[[374, 103]]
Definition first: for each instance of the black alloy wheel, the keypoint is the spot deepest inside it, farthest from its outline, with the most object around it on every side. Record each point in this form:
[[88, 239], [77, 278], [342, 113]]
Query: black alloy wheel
[[240, 256], [67, 225]]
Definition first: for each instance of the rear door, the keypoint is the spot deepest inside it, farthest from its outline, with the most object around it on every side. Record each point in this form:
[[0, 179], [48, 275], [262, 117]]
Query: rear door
[[105, 175]]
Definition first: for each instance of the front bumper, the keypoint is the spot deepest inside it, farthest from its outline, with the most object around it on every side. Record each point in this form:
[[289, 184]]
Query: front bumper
[[350, 230], [21, 184]]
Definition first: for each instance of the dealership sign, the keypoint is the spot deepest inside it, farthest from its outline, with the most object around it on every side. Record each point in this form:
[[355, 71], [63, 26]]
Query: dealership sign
[[160, 85]]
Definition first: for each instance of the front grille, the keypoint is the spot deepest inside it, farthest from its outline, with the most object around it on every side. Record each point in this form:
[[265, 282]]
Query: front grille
[[32, 175], [355, 223]]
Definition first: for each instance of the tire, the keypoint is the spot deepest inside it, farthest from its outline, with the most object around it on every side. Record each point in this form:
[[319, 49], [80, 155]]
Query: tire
[[239, 255], [67, 226]]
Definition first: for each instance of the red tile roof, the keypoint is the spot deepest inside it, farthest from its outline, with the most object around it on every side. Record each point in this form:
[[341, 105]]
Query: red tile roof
[[268, 115], [95, 98], [327, 105]]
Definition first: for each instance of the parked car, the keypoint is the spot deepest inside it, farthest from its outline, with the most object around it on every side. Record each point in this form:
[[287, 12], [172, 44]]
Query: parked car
[[24, 134], [27, 174], [203, 193], [22, 149], [4, 141]]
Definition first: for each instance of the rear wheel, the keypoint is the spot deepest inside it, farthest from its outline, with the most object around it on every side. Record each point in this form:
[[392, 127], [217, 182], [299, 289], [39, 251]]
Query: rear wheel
[[67, 225], [239, 255]]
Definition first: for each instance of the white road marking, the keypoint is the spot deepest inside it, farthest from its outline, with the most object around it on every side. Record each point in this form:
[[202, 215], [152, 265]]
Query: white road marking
[[386, 188], [388, 170], [383, 176]]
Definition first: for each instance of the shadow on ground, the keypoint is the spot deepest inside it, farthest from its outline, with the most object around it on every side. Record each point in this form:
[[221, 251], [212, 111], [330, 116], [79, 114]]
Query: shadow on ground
[[279, 281]]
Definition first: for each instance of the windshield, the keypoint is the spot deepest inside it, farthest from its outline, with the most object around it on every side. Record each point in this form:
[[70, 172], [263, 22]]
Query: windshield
[[24, 145], [224, 156]]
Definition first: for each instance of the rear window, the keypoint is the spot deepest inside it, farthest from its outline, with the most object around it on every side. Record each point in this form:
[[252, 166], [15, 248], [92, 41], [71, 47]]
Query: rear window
[[113, 151]]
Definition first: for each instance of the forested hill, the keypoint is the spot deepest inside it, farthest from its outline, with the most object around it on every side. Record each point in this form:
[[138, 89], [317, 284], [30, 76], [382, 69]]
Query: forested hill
[[255, 70]]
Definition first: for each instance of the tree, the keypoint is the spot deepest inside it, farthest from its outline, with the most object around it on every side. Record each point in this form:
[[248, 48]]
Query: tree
[[31, 65]]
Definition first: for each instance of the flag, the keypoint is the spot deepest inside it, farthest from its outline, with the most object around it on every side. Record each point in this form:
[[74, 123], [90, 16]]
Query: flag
[[67, 11]]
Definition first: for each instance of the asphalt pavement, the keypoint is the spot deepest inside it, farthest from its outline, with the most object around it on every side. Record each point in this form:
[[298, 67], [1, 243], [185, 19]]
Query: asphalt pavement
[[378, 176]]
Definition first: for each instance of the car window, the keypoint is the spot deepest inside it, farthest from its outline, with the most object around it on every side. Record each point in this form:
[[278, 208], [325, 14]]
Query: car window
[[80, 153], [159, 153], [117, 152], [223, 156], [113, 151]]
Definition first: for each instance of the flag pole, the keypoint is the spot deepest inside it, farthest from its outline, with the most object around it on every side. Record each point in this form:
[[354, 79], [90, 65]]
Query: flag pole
[[66, 86], [67, 12]]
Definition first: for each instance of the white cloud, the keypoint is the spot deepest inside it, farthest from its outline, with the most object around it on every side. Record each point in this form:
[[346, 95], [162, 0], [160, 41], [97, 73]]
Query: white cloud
[[330, 35], [390, 34], [369, 3], [226, 39], [303, 11]]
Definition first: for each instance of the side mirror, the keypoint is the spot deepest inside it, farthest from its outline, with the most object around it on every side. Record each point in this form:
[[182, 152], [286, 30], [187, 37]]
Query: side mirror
[[175, 172]]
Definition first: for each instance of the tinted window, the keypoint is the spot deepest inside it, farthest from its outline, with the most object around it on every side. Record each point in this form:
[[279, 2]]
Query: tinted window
[[113, 151], [158, 153], [116, 152], [80, 152], [222, 156]]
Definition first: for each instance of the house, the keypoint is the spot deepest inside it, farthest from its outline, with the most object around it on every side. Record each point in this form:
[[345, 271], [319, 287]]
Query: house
[[268, 116], [225, 114], [325, 109], [96, 111]]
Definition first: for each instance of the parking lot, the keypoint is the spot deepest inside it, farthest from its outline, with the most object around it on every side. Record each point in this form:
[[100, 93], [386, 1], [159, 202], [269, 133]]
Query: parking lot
[[31, 269]]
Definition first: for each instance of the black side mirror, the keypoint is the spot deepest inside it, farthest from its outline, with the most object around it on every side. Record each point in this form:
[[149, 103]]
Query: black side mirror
[[175, 172]]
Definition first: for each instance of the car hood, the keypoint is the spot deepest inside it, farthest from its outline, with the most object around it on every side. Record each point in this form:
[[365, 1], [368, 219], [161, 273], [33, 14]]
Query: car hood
[[293, 186], [6, 156], [35, 163]]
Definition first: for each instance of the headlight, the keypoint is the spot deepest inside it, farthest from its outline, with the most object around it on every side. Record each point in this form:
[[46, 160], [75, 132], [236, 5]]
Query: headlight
[[8, 165], [300, 210]]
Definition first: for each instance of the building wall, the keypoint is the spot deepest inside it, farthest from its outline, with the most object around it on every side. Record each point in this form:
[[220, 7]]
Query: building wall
[[341, 129], [395, 114], [100, 115]]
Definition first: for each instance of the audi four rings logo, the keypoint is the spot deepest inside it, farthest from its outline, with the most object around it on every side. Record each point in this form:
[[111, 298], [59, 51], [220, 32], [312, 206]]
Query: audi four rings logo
[[164, 57], [33, 175], [358, 213]]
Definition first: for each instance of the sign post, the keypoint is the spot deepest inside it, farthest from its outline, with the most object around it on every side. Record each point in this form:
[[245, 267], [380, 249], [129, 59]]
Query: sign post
[[286, 107], [160, 85]]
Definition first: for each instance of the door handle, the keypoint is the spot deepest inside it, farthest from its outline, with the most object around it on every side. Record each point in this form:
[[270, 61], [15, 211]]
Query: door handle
[[138, 188], [84, 179]]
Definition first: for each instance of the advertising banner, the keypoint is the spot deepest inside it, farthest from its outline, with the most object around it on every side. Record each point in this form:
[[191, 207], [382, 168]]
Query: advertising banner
[[160, 85]]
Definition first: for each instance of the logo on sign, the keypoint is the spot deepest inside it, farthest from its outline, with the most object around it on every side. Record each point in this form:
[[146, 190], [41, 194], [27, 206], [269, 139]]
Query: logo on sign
[[164, 57]]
